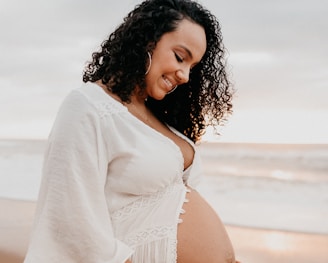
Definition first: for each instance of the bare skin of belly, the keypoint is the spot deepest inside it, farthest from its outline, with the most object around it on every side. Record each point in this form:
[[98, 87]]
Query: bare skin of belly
[[202, 237]]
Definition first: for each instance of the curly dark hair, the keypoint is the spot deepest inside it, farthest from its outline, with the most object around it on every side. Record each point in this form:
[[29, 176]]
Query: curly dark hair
[[122, 62]]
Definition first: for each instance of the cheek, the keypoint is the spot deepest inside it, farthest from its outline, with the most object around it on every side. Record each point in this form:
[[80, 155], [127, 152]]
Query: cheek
[[150, 79], [153, 75], [154, 87], [151, 85], [163, 62]]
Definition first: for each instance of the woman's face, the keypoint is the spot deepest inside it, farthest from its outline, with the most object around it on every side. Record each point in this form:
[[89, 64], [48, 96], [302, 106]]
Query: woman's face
[[175, 54]]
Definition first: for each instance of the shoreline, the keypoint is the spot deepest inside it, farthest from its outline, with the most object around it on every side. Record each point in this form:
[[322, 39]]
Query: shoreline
[[254, 245], [231, 225], [227, 224]]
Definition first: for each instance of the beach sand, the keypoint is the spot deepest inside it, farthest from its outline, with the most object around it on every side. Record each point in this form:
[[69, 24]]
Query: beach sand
[[251, 245], [271, 246], [16, 219]]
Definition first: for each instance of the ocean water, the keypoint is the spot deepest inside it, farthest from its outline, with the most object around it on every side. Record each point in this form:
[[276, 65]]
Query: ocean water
[[283, 187], [271, 186]]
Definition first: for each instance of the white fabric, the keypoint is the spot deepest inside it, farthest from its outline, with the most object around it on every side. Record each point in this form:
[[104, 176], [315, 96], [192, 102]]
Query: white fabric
[[112, 187]]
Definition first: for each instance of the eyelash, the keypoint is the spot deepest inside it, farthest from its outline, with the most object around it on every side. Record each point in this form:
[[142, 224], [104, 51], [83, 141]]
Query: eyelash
[[179, 59]]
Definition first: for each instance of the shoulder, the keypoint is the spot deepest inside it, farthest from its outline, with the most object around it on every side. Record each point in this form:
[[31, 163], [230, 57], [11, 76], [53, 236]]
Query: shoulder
[[92, 98]]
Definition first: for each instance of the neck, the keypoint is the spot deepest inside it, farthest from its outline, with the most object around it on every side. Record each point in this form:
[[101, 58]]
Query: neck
[[138, 97]]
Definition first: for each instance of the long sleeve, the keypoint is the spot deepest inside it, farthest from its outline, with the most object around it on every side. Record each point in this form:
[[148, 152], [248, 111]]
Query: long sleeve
[[72, 219]]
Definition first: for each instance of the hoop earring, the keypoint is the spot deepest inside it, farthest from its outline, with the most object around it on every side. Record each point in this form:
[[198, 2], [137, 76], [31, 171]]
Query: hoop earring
[[172, 89], [149, 56]]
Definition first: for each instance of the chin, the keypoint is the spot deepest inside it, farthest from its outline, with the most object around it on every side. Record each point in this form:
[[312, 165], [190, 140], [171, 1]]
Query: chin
[[158, 95]]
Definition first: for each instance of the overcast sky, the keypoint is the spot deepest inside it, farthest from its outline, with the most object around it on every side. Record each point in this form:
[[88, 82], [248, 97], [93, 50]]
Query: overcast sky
[[277, 55]]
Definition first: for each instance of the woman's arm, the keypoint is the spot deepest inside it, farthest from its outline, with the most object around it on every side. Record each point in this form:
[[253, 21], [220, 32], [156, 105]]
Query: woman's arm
[[73, 223]]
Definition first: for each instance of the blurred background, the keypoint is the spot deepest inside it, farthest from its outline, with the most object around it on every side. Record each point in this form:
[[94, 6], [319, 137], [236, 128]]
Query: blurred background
[[277, 53], [266, 175]]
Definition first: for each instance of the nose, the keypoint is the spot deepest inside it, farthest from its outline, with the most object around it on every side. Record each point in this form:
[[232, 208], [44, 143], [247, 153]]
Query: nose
[[183, 75]]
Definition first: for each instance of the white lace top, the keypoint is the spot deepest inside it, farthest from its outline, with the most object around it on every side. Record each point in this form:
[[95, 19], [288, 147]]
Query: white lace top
[[112, 187]]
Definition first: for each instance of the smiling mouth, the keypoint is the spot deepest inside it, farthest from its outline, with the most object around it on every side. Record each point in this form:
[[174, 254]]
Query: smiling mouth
[[169, 84]]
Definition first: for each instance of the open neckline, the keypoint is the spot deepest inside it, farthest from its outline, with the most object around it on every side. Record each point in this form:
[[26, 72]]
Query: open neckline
[[172, 129]]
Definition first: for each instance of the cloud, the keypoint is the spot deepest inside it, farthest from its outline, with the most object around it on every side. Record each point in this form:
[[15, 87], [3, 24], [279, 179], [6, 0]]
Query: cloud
[[278, 50], [49, 41]]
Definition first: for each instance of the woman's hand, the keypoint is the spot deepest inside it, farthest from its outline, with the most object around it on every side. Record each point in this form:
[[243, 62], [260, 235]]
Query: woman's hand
[[128, 261]]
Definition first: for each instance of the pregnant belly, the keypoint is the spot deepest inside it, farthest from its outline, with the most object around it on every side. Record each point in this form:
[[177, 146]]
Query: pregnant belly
[[202, 236]]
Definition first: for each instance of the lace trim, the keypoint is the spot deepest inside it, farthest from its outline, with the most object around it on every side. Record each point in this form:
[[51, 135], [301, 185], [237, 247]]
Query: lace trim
[[160, 239], [151, 234], [109, 107], [143, 202], [156, 244], [159, 251]]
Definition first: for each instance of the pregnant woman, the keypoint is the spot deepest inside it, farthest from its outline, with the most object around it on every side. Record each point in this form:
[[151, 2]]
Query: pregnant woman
[[121, 168]]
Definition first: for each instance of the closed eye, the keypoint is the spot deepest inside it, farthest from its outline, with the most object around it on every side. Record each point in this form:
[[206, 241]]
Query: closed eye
[[179, 59]]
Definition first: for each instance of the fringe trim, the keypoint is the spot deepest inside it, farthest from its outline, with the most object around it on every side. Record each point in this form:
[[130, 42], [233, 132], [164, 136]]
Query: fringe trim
[[159, 251]]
